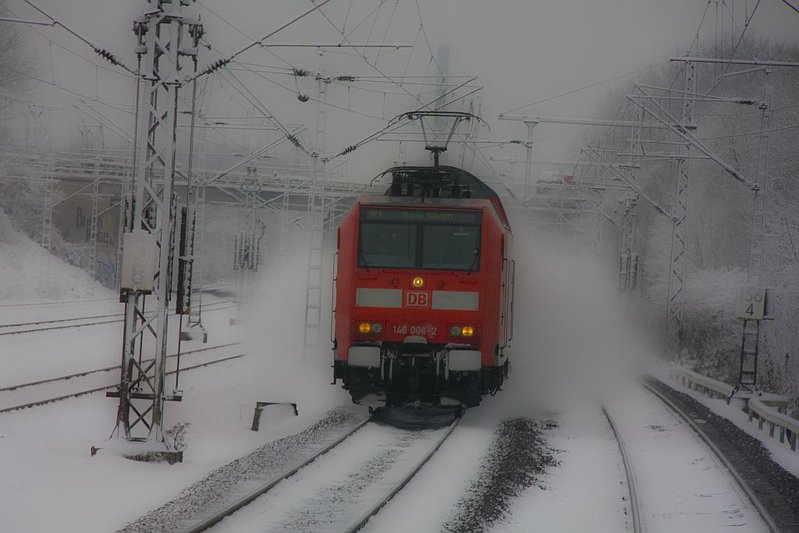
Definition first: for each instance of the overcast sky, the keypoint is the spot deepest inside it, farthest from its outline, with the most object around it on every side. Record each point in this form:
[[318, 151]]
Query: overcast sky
[[522, 51]]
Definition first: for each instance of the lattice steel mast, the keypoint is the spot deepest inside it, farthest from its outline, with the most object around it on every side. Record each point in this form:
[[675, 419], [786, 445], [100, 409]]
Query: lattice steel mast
[[628, 261], [674, 307], [757, 244], [166, 35]]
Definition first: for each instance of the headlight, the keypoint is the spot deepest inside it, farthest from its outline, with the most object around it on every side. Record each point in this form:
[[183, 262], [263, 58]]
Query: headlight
[[365, 328], [417, 282], [461, 331]]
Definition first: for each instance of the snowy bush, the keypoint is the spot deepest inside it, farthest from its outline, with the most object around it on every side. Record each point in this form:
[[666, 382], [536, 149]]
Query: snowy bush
[[177, 434]]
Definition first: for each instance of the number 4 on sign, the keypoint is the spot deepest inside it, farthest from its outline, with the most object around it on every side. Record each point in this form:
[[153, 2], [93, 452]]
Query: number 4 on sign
[[750, 303]]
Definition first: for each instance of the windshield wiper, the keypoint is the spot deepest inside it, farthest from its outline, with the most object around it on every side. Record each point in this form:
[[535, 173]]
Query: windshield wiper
[[363, 259], [475, 260]]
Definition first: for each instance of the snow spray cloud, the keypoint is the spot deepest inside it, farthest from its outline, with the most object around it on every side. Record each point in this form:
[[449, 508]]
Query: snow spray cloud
[[571, 339], [280, 370]]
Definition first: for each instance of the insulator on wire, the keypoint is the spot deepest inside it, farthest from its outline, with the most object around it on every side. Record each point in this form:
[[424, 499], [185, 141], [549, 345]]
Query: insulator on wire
[[345, 78], [349, 149], [216, 66], [108, 56], [294, 140]]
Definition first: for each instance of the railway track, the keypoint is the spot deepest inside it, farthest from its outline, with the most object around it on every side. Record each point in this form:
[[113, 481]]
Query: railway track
[[41, 392], [754, 482], [394, 458], [635, 515], [74, 322], [400, 484]]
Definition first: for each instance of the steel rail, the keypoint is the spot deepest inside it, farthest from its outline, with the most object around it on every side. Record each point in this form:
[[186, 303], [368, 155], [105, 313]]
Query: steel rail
[[89, 317], [106, 369], [761, 509], [75, 319], [89, 300], [375, 508], [67, 326], [628, 472], [57, 320], [106, 387], [228, 510], [57, 302]]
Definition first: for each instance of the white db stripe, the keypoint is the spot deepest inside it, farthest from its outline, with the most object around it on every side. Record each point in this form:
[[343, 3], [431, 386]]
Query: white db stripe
[[378, 297], [456, 300]]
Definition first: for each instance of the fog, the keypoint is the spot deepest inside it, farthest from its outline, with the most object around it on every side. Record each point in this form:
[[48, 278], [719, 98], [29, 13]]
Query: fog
[[575, 341], [522, 52], [557, 59]]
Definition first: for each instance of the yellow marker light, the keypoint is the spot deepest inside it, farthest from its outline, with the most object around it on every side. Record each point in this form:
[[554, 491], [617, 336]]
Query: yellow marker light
[[467, 331], [364, 327], [417, 282]]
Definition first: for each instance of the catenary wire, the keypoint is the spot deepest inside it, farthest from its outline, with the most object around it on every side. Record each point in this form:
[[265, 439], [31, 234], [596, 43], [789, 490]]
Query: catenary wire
[[560, 95], [102, 52]]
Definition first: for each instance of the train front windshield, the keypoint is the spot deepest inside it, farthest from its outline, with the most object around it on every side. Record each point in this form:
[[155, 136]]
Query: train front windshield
[[417, 238]]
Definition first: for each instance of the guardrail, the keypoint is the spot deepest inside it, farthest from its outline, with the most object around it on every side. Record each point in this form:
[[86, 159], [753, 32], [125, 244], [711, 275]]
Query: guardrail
[[768, 409], [789, 427], [694, 381]]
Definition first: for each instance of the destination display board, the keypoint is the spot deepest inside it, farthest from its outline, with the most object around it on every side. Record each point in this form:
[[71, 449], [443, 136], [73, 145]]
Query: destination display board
[[424, 216]]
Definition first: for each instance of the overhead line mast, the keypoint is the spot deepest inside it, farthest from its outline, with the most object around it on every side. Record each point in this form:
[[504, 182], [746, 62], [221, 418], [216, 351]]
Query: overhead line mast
[[166, 36]]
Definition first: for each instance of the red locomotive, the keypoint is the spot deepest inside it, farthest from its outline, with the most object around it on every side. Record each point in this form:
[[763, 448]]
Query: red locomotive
[[424, 291]]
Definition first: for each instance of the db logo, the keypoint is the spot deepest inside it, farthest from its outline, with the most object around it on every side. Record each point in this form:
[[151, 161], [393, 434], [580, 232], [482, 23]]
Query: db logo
[[417, 299]]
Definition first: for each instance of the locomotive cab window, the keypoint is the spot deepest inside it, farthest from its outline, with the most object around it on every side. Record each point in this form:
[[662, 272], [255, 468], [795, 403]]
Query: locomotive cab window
[[387, 245], [416, 238]]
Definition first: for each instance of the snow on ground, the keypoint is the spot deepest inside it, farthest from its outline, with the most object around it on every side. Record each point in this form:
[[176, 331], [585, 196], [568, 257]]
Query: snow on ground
[[781, 453], [585, 492], [436, 489], [581, 351], [31, 274], [48, 481], [681, 485], [571, 348], [326, 496]]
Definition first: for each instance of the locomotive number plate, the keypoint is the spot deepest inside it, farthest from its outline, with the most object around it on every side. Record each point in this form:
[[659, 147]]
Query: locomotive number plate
[[417, 299], [426, 331]]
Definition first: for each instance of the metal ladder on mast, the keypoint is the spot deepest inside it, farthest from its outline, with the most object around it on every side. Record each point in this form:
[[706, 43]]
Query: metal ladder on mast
[[316, 212], [750, 345], [313, 292], [47, 224], [285, 222]]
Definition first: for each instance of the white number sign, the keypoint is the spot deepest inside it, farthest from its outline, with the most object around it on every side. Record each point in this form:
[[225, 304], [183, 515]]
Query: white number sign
[[750, 303]]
